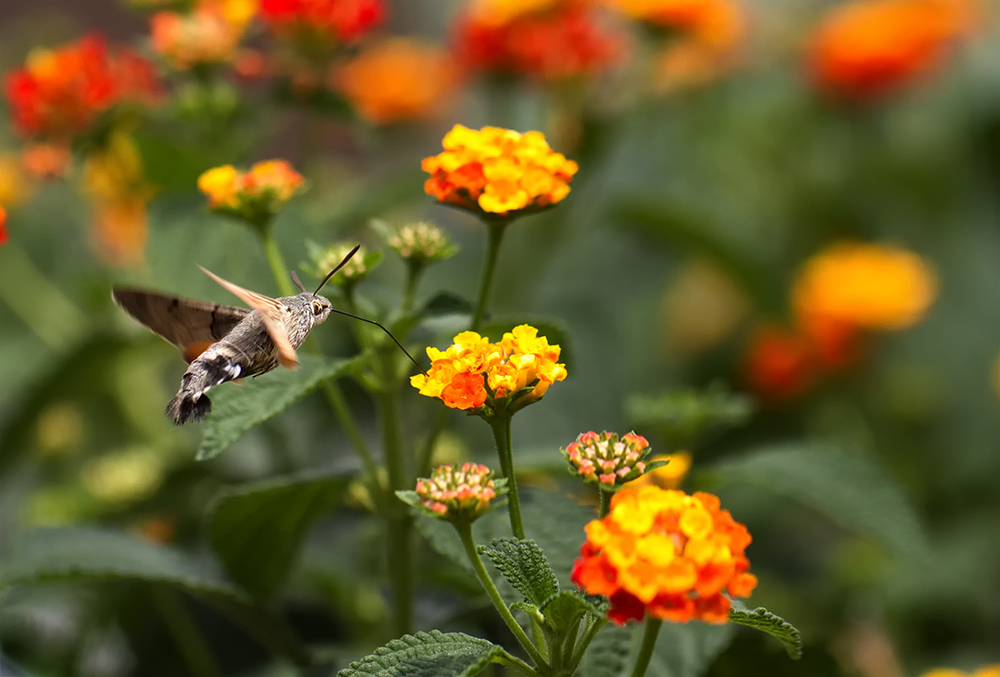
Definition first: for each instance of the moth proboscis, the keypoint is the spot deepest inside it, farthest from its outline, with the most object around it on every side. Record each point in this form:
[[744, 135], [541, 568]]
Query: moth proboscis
[[226, 343]]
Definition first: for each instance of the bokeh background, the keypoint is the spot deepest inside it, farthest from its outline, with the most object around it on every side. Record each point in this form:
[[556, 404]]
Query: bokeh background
[[845, 408]]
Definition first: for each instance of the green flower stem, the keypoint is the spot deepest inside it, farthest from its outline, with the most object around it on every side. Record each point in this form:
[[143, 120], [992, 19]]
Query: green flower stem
[[605, 502], [464, 530], [496, 230], [648, 643], [274, 259], [53, 318], [414, 271], [426, 456], [186, 635], [581, 646], [501, 434], [516, 663]]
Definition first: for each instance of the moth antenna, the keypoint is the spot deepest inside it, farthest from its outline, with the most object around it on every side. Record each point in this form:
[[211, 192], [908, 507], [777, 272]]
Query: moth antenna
[[295, 279], [365, 319], [334, 272]]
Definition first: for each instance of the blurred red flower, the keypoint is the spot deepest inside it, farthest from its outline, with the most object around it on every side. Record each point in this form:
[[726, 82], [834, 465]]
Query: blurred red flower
[[342, 20], [558, 43], [3, 226], [61, 92], [780, 363]]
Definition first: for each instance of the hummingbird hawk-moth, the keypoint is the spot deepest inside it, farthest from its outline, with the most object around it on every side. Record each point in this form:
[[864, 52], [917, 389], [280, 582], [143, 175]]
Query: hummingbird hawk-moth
[[226, 343]]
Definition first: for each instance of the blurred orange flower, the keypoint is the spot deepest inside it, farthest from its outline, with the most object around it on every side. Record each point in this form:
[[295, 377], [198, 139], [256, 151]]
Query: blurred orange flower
[[706, 49], [61, 92], [397, 79], [669, 476], [253, 195], [519, 369], [208, 34], [665, 553], [498, 172], [707, 16], [868, 286], [867, 48], [46, 160], [565, 40], [323, 20]]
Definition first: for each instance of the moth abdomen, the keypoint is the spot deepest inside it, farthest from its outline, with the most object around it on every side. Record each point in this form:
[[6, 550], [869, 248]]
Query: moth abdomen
[[215, 366]]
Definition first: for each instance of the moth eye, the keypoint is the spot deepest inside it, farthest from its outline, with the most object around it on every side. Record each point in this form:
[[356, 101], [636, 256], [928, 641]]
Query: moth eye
[[317, 308]]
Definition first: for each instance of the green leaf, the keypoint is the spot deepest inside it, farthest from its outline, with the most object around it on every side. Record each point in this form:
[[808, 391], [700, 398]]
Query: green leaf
[[688, 649], [682, 417], [524, 566], [46, 555], [564, 608], [256, 529], [848, 487], [555, 522], [427, 654], [774, 625], [608, 654], [236, 409]]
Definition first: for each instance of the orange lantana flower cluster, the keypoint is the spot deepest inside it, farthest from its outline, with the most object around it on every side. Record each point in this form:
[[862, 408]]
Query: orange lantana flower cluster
[[462, 493], [61, 92], [397, 79], [551, 40], [499, 378], [208, 34], [867, 48], [498, 172], [846, 289], [255, 195], [668, 554]]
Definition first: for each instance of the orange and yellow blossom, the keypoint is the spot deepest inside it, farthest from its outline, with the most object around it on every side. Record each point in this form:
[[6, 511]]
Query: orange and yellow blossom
[[668, 554], [866, 286], [504, 376], [867, 48], [498, 172], [208, 34], [705, 50], [985, 671], [397, 79], [254, 194]]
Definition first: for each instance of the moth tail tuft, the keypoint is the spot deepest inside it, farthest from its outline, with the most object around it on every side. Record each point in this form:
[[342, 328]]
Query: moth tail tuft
[[186, 407]]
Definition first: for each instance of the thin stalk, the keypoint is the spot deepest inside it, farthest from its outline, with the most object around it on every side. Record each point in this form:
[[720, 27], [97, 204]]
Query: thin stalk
[[464, 530], [569, 643], [605, 502], [649, 638], [516, 663], [581, 646], [496, 233], [501, 434], [426, 456], [539, 638], [190, 643], [414, 272], [275, 260]]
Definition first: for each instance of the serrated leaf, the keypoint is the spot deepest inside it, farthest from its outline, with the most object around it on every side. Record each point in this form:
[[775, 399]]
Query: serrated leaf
[[608, 654], [774, 625], [688, 649], [524, 566], [563, 609], [427, 654], [237, 409], [256, 529], [682, 417], [90, 553], [848, 487]]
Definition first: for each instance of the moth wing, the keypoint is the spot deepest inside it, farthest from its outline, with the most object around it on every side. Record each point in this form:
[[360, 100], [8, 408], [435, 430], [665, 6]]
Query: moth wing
[[271, 311], [190, 325]]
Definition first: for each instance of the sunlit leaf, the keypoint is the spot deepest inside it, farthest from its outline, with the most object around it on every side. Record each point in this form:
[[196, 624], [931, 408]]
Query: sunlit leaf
[[427, 654]]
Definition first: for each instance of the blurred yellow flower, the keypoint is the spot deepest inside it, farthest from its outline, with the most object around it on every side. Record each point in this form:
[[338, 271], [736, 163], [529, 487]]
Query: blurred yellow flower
[[986, 671], [60, 429], [254, 195], [864, 285], [14, 185], [125, 476], [669, 476]]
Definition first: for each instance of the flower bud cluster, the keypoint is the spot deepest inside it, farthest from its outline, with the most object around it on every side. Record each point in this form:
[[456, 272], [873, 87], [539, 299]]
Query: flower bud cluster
[[462, 493], [606, 460], [422, 242], [325, 259]]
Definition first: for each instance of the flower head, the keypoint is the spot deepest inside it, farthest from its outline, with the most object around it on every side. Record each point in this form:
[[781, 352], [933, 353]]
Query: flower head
[[322, 21], [457, 494], [668, 554], [498, 172], [864, 285], [421, 243], [325, 259], [255, 195], [867, 48], [548, 41], [606, 460], [492, 378], [61, 92], [209, 34], [397, 79]]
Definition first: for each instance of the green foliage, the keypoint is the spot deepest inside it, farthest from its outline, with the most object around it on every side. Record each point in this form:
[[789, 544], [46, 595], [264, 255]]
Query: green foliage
[[684, 416], [257, 529], [555, 522], [774, 625], [688, 649], [608, 654], [849, 487], [237, 409], [524, 566], [565, 608], [88, 554], [427, 654]]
